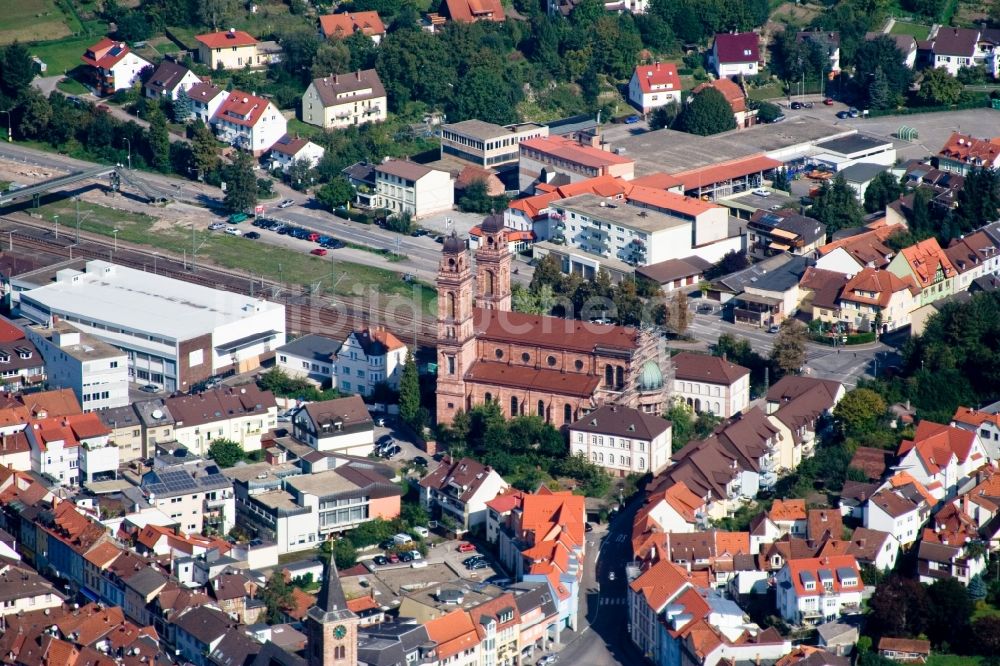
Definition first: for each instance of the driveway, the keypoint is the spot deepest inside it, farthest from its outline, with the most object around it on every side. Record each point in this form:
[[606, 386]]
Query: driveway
[[47, 84]]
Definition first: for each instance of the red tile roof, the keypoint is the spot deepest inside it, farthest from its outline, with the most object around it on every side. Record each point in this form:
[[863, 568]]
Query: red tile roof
[[604, 186], [936, 444], [925, 258], [668, 201], [787, 510], [966, 148], [551, 332], [660, 583], [572, 151], [737, 48], [468, 11], [884, 284], [346, 24], [732, 92], [453, 633], [9, 332], [725, 171], [105, 53], [230, 38], [532, 379], [242, 108], [658, 76], [812, 566]]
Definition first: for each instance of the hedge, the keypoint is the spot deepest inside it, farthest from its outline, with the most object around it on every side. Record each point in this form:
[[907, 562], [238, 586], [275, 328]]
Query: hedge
[[353, 215], [852, 339], [909, 111]]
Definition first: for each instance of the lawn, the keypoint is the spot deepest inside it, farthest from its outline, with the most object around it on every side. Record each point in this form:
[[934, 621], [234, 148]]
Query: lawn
[[29, 20], [338, 278], [773, 90], [915, 30], [951, 660], [63, 55], [72, 87], [297, 127]]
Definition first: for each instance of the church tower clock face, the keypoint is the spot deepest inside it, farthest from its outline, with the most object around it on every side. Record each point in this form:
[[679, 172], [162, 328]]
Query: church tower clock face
[[339, 632]]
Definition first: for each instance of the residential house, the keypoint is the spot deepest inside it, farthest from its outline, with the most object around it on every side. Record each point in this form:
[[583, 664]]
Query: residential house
[[940, 457], [865, 250], [231, 591], [909, 650], [675, 274], [950, 548], [157, 425], [468, 11], [169, 80], [827, 43], [766, 293], [22, 366], [311, 356], [242, 414], [193, 492], [205, 101], [22, 590], [249, 122], [859, 175], [287, 151], [675, 510], [973, 255], [962, 153], [361, 176], [929, 268], [734, 54], [112, 66], [558, 160], [342, 26], [708, 553], [498, 626], [900, 512], [200, 629], [457, 638], [800, 403], [743, 115], [653, 86], [985, 424], [789, 516], [819, 589], [711, 384], [343, 100], [622, 440], [874, 548], [460, 489], [342, 425], [906, 44], [57, 447], [955, 48], [96, 371], [398, 641], [649, 595], [232, 49], [773, 232], [877, 300], [402, 186], [853, 496], [369, 357]]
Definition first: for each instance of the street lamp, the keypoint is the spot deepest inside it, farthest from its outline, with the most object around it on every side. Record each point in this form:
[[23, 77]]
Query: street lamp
[[156, 255], [55, 218], [129, 144], [115, 233]]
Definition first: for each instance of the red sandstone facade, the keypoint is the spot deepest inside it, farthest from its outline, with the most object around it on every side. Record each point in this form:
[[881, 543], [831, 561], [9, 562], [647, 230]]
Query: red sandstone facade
[[558, 369]]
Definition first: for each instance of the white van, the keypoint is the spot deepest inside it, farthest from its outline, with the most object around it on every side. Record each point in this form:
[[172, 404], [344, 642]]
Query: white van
[[402, 539], [421, 532]]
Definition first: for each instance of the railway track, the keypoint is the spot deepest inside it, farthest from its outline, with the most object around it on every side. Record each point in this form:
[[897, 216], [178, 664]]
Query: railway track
[[305, 312]]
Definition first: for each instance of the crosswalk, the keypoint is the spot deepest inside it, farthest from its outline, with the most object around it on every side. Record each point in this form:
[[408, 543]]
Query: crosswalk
[[613, 601]]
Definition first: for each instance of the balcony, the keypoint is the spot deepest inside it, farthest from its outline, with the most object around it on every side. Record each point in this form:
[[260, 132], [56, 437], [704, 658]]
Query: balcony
[[850, 609]]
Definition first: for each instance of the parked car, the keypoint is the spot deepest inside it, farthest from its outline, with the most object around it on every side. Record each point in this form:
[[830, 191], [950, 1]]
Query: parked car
[[611, 575], [236, 218], [318, 251], [547, 660], [280, 229], [150, 388], [287, 203], [828, 101], [380, 560], [779, 118], [773, 329], [632, 120], [807, 105], [704, 309], [854, 113], [406, 556], [387, 544], [420, 460], [233, 231], [469, 560], [587, 527], [252, 235], [477, 565], [415, 555], [761, 192], [795, 106], [393, 558], [402, 539], [333, 244], [421, 531], [384, 440], [215, 226], [843, 115], [313, 237], [391, 451], [466, 547]]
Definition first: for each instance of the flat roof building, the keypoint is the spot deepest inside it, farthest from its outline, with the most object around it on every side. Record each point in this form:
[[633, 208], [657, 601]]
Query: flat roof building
[[485, 144], [175, 333]]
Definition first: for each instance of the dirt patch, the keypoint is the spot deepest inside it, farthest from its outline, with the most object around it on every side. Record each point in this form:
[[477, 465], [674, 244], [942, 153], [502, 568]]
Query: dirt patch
[[797, 15], [46, 30]]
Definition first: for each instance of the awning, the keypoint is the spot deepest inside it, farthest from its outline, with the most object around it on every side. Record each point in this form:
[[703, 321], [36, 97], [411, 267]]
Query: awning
[[778, 246], [754, 298], [243, 343]]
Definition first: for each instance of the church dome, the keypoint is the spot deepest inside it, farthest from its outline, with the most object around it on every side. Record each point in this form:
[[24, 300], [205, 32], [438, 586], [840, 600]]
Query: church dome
[[650, 377], [492, 224], [453, 244]]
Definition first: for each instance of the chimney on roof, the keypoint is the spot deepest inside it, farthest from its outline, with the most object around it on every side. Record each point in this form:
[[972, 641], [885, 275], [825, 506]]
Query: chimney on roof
[[359, 75]]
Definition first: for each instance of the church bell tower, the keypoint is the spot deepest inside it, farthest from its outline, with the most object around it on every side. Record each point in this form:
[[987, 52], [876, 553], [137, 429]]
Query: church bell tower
[[331, 627], [455, 330], [493, 260]]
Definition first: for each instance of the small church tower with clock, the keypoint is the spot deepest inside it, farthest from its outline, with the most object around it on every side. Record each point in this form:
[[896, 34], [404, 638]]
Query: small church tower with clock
[[332, 628]]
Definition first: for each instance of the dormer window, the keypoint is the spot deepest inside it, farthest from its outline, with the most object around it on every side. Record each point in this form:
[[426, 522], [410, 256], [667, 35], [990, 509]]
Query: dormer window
[[4, 357]]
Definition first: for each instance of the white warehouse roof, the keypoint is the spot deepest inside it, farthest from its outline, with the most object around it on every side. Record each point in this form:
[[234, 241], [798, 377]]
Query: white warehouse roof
[[140, 301]]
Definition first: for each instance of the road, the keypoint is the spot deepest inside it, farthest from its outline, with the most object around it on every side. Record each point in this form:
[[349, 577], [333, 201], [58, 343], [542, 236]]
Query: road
[[846, 365], [423, 253], [602, 637]]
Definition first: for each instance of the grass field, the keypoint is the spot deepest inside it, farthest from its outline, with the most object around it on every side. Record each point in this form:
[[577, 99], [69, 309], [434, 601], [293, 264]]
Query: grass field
[[952, 660], [32, 20], [275, 263], [63, 55], [915, 30], [72, 87]]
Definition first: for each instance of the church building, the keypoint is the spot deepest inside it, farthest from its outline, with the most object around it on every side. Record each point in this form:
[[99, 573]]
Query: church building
[[558, 369]]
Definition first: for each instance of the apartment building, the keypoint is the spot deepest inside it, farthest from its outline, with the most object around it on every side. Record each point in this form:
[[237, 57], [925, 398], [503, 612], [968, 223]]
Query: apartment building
[[192, 491], [485, 144], [367, 358], [711, 384], [941, 457], [343, 100], [879, 301], [342, 425], [241, 414], [542, 159], [96, 371], [459, 490], [249, 122], [622, 440], [232, 49], [112, 66], [900, 512], [815, 590], [962, 153], [402, 186], [929, 268], [58, 446], [311, 356]]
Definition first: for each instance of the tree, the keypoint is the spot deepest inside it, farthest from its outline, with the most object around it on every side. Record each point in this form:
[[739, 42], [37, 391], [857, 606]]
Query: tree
[[977, 588], [204, 150], [880, 95], [920, 213], [277, 595], [299, 49], [836, 206], [768, 113], [476, 198], [300, 174], [859, 411], [899, 607], [881, 191], [949, 611], [335, 194], [682, 421], [732, 261], [16, 70], [159, 139], [986, 632], [332, 57], [706, 113], [215, 12], [345, 555], [486, 92], [789, 351], [409, 392], [663, 117], [978, 200], [881, 54], [939, 88], [781, 181], [35, 112], [241, 184], [371, 532], [181, 108], [225, 452]]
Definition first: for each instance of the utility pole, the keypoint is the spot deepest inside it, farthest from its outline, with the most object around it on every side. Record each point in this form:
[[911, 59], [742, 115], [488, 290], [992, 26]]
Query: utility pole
[[55, 218]]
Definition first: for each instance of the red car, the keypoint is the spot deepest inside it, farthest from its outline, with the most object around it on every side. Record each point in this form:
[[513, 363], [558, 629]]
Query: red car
[[313, 237], [319, 252], [393, 558], [828, 101], [466, 547]]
